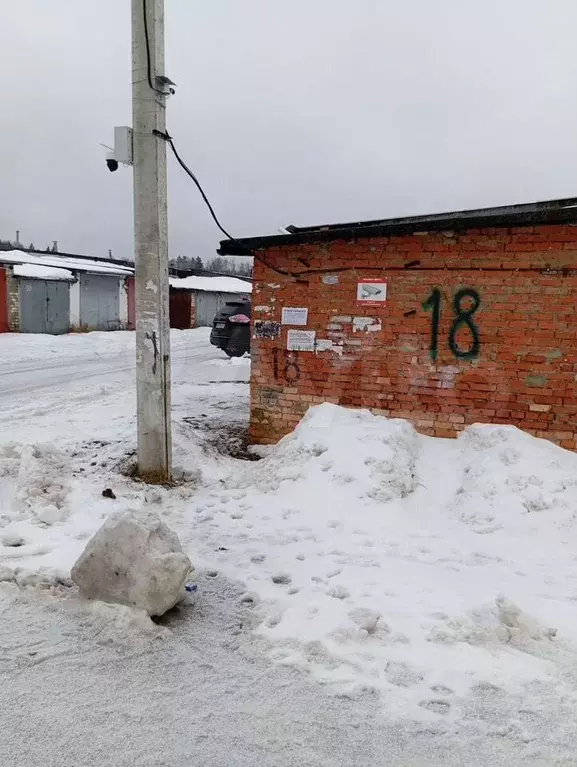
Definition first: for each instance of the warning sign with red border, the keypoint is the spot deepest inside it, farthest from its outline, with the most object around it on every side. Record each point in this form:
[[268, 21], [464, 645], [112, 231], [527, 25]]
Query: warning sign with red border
[[372, 292]]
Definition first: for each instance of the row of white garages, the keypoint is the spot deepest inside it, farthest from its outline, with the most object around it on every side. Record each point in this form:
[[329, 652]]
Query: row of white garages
[[56, 294]]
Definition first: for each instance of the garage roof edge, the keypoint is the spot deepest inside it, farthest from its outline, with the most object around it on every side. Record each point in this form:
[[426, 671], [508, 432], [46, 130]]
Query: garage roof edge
[[563, 211]]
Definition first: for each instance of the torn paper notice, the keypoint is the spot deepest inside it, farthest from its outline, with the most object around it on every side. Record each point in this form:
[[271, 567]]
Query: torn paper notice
[[326, 345], [294, 315], [301, 340], [368, 324]]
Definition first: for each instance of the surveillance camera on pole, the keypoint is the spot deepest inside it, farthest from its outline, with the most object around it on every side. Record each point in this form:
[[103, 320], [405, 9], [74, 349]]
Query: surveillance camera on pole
[[123, 151]]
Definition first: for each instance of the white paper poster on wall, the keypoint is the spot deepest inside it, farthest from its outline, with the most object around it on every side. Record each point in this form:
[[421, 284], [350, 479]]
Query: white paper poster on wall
[[301, 340], [372, 292], [294, 315]]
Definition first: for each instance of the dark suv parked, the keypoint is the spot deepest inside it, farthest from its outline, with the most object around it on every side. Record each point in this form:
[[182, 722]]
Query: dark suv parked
[[231, 328]]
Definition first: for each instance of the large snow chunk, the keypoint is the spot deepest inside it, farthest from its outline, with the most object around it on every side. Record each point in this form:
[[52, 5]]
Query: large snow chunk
[[133, 559]]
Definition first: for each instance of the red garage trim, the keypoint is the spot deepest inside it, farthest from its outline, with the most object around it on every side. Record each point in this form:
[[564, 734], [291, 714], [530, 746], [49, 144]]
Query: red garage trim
[[131, 303], [3, 302]]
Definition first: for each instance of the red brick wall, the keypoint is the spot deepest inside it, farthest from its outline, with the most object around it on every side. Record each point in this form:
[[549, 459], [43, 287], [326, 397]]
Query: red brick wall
[[525, 367]]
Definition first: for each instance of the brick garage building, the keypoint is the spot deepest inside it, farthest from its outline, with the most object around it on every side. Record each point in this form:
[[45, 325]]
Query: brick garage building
[[478, 322]]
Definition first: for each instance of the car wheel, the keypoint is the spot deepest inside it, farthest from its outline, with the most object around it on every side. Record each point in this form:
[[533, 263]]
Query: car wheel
[[234, 352]]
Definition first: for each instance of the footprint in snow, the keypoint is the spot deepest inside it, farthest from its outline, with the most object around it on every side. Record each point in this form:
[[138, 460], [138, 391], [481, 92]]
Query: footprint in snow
[[282, 579], [402, 675], [338, 592], [250, 598], [436, 706], [273, 620]]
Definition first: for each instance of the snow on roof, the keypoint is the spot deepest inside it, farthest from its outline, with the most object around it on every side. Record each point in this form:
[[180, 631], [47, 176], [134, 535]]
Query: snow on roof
[[64, 262], [212, 284], [42, 272]]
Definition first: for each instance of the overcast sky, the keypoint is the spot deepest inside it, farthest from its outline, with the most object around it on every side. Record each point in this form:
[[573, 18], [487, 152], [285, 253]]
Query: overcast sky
[[289, 111]]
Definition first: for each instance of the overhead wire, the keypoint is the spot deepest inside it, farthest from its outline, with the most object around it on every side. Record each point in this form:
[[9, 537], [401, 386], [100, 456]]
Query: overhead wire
[[300, 275], [148, 57], [335, 270], [166, 136]]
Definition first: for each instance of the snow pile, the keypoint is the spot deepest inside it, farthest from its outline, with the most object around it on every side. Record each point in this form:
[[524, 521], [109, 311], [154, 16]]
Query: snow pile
[[422, 569], [324, 450], [508, 477], [37, 489], [212, 284], [42, 272]]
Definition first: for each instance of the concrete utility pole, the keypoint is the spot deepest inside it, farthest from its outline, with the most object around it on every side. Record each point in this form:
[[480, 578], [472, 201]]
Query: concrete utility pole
[[151, 244]]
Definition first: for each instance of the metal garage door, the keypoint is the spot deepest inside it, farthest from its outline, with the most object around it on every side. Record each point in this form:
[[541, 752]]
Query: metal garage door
[[99, 302], [208, 304], [44, 306], [206, 308]]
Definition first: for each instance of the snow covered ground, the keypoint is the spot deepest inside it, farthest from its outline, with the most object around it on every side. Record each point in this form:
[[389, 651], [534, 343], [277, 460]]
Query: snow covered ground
[[366, 595]]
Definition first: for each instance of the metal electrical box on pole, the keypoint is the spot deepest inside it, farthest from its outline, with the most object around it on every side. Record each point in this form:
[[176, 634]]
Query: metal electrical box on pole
[[151, 243]]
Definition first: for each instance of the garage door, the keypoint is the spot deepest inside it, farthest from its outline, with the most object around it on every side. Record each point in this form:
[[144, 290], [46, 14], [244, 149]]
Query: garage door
[[208, 304], [99, 302], [44, 306], [206, 308], [180, 305]]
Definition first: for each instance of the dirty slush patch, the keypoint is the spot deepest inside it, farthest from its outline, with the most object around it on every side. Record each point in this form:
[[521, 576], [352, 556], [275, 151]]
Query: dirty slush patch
[[226, 437]]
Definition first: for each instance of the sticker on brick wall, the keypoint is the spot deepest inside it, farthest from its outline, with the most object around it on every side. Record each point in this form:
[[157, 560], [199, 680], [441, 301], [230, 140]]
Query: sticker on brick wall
[[327, 345], [368, 324], [266, 329], [372, 292], [301, 340], [294, 315], [331, 279]]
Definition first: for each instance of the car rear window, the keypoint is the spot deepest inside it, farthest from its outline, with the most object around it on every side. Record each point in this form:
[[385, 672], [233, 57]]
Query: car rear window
[[236, 307]]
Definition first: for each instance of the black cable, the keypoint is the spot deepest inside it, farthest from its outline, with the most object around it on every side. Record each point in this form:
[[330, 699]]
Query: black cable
[[248, 251], [307, 272], [188, 171], [148, 61]]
